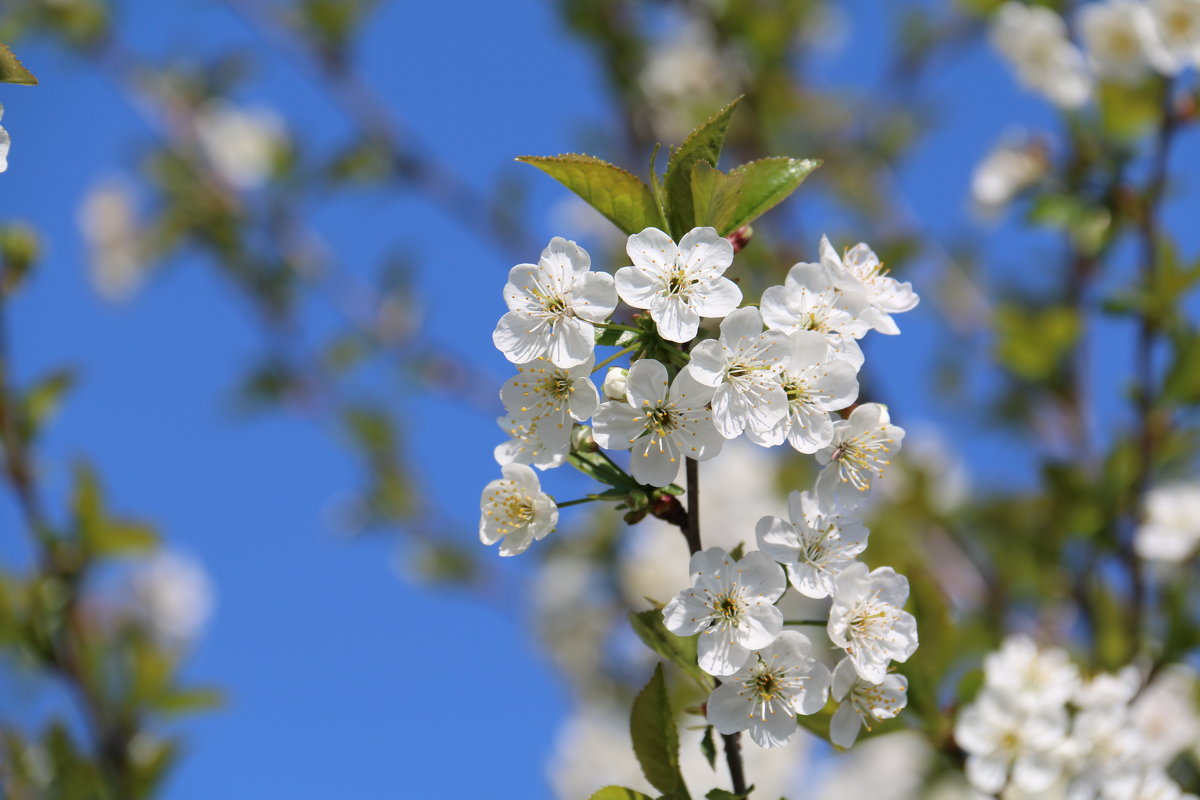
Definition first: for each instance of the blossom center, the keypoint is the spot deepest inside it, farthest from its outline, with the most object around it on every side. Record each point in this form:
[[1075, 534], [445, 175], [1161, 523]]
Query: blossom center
[[860, 456], [679, 282]]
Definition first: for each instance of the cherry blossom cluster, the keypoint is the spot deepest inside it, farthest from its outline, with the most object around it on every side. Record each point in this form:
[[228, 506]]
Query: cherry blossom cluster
[[775, 373], [1038, 728], [1123, 41]]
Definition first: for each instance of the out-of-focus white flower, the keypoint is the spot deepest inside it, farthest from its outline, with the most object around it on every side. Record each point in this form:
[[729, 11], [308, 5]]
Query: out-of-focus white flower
[[884, 294], [5, 141], [815, 545], [867, 619], [573, 617], [1171, 528], [1028, 677], [1010, 168], [171, 596], [1177, 28], [1120, 40], [681, 283], [862, 445], [614, 383], [552, 305], [1167, 715], [743, 365], [1034, 40], [1109, 689], [684, 73], [766, 694], [109, 225], [816, 381], [863, 702], [241, 143], [731, 606], [660, 426], [1006, 745], [515, 511]]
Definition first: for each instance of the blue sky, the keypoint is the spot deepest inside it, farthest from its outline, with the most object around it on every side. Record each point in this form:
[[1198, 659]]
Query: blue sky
[[344, 680]]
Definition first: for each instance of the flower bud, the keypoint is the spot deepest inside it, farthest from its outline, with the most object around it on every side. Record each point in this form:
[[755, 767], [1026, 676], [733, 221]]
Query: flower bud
[[582, 441], [614, 383]]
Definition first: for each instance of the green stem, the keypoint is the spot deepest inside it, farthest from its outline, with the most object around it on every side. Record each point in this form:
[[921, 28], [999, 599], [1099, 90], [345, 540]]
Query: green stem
[[613, 358], [617, 326], [591, 498]]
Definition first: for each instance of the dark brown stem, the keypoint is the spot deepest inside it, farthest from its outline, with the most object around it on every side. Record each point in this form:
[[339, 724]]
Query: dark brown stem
[[692, 529]]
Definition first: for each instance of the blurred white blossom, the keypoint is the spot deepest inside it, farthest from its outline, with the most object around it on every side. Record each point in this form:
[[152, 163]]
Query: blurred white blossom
[[1011, 167], [241, 143], [1171, 528], [108, 221], [171, 596], [4, 144], [1034, 40], [1120, 39]]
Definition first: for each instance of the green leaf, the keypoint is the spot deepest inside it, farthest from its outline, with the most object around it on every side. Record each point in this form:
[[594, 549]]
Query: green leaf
[[679, 650], [703, 145], [619, 793], [725, 794], [1182, 383], [99, 533], [618, 195], [43, 399], [12, 70], [729, 202], [655, 737], [190, 701], [708, 746]]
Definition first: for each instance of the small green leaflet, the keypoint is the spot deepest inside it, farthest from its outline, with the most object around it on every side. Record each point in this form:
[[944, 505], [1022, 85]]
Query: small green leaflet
[[12, 70], [656, 738], [730, 201], [618, 195]]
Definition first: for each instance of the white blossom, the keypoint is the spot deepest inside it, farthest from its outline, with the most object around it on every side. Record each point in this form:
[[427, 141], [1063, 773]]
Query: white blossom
[[1008, 169], [538, 443], [743, 365], [861, 446], [1177, 29], [108, 222], [885, 295], [766, 694], [862, 702], [541, 392], [660, 426], [614, 383], [1166, 715], [242, 144], [1028, 677], [816, 381], [171, 596], [685, 71], [1171, 528], [552, 305], [1006, 745], [814, 298], [1034, 40], [867, 619], [815, 544], [5, 141], [515, 511], [1121, 41], [681, 283], [731, 604]]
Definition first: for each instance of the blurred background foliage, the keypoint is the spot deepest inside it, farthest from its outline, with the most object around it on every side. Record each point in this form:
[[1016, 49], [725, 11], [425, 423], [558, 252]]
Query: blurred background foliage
[[1020, 349]]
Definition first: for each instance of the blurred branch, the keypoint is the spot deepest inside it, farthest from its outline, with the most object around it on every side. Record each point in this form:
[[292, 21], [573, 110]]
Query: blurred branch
[[448, 191]]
